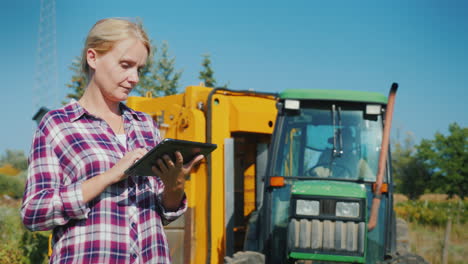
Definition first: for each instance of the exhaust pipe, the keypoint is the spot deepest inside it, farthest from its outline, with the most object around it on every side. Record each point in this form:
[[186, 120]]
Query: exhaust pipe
[[382, 158]]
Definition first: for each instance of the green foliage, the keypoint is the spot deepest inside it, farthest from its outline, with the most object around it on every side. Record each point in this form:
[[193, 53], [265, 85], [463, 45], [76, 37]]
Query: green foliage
[[207, 73], [13, 186], [14, 157], [447, 159], [19, 245], [437, 165], [159, 78], [433, 213], [78, 81], [22, 246], [10, 231], [410, 174], [34, 246], [147, 82], [165, 75]]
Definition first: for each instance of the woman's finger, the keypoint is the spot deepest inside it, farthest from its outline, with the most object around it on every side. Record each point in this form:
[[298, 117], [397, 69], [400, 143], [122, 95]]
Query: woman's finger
[[162, 166], [179, 159], [139, 154], [156, 171], [195, 161], [142, 151], [136, 154], [168, 160]]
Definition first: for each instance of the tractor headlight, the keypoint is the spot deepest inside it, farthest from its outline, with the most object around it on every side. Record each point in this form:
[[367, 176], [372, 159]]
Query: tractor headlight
[[307, 207], [347, 209]]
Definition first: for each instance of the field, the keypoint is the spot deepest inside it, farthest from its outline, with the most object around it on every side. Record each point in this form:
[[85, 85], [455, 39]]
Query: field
[[18, 244], [428, 241], [427, 220]]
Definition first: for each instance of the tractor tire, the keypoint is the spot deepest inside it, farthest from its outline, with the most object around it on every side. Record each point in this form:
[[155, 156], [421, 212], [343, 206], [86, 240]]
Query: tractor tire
[[407, 258], [245, 257]]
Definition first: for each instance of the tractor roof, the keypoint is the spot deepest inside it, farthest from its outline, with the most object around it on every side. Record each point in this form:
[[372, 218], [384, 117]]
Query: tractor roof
[[334, 95]]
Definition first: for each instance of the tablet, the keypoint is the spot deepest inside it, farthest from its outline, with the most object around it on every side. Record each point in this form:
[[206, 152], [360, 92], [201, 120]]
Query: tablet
[[188, 149]]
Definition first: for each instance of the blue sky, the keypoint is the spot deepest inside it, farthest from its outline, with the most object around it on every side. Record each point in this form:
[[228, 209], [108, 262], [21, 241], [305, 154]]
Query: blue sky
[[265, 46]]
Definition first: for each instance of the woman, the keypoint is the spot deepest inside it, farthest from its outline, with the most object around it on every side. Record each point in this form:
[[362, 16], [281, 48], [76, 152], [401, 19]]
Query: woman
[[76, 182]]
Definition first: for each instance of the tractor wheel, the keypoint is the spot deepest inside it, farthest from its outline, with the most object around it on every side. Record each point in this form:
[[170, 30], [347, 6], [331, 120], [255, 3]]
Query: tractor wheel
[[245, 257]]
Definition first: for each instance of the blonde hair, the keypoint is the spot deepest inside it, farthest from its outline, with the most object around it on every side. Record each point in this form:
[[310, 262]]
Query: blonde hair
[[106, 32]]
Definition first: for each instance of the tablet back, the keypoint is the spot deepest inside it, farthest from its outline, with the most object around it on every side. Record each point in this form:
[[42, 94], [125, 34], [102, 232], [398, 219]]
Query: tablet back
[[188, 149]]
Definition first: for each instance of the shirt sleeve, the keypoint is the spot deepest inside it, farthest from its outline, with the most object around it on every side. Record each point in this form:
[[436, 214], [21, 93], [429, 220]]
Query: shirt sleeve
[[46, 202], [166, 215]]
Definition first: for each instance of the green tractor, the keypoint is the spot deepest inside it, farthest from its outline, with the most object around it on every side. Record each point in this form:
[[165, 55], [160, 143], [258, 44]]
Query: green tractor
[[326, 198]]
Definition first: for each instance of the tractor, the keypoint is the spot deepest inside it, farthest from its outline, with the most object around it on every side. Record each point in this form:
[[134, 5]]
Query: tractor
[[328, 187]]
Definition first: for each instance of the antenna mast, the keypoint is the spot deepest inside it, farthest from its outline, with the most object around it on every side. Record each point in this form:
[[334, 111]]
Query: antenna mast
[[46, 76]]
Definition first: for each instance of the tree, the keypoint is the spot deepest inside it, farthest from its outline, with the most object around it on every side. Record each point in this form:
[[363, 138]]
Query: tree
[[15, 158], [165, 73], [159, 78], [410, 173], [147, 82], [78, 80], [207, 74], [447, 158]]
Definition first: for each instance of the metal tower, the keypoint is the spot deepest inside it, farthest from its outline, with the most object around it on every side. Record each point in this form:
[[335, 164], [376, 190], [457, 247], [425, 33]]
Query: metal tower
[[45, 88]]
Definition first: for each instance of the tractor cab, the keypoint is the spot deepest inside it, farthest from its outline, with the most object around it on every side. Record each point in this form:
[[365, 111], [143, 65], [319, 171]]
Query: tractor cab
[[318, 189], [331, 141]]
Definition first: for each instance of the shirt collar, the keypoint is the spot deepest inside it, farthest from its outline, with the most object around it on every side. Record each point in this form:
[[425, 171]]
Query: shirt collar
[[75, 111], [128, 112]]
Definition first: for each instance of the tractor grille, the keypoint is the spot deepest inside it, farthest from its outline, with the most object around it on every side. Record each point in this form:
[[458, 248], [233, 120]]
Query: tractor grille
[[326, 236]]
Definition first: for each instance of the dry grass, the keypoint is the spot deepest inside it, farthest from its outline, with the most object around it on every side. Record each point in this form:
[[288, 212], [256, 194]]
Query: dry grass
[[398, 198], [428, 242], [9, 202], [438, 197]]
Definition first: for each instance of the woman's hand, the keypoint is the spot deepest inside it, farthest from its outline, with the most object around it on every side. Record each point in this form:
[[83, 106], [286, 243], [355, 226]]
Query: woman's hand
[[96, 185], [118, 171], [173, 176]]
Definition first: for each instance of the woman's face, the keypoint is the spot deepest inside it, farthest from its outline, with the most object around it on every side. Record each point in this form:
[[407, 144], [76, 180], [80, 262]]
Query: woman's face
[[116, 72]]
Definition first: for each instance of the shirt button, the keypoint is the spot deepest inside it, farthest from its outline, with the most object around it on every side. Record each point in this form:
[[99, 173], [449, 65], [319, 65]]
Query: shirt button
[[133, 225], [134, 255]]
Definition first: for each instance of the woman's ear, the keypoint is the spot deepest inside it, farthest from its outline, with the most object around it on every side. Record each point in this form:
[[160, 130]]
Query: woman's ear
[[91, 57]]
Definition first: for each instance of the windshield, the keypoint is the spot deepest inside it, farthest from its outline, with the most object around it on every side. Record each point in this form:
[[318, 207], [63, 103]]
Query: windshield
[[333, 142]]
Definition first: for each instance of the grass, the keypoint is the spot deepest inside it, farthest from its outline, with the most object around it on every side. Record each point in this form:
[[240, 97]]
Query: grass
[[10, 251], [19, 246], [427, 240], [22, 246]]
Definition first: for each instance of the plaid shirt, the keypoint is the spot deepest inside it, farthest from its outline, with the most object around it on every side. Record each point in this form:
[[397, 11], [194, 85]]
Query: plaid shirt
[[124, 224]]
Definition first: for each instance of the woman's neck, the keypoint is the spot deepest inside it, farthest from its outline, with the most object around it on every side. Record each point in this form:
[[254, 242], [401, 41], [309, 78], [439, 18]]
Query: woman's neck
[[95, 103]]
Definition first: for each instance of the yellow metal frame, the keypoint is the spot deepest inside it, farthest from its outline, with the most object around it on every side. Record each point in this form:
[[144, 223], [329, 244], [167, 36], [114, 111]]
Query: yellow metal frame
[[184, 116]]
